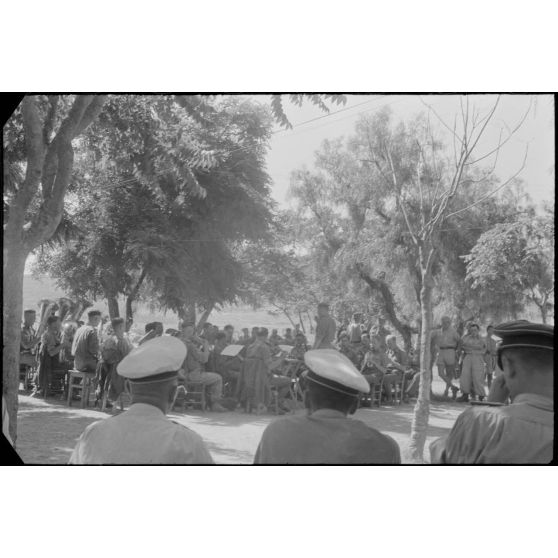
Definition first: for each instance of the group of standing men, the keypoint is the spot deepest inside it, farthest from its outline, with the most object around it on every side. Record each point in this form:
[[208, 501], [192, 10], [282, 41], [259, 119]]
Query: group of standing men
[[471, 359]]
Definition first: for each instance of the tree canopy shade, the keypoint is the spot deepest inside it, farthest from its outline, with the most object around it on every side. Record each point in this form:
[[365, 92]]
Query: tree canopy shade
[[165, 218], [396, 208], [516, 260], [40, 143]]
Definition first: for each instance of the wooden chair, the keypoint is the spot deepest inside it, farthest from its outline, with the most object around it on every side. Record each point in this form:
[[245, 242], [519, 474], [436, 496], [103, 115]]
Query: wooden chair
[[81, 382], [374, 397], [192, 394], [397, 389], [55, 382], [26, 374]]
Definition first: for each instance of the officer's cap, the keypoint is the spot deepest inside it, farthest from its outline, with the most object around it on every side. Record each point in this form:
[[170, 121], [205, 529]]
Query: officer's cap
[[331, 369], [154, 360], [524, 334]]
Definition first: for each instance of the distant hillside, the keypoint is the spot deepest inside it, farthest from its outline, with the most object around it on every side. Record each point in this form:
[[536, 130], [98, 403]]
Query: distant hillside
[[239, 316]]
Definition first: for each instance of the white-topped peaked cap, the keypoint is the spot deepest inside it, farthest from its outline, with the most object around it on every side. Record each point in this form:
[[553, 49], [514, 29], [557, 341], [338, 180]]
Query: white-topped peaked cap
[[334, 370], [156, 356]]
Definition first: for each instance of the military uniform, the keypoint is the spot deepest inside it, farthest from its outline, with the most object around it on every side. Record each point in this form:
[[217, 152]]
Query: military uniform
[[143, 434], [327, 435], [472, 369], [446, 343], [522, 432]]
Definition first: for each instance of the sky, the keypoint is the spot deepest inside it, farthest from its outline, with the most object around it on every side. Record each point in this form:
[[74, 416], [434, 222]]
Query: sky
[[290, 150]]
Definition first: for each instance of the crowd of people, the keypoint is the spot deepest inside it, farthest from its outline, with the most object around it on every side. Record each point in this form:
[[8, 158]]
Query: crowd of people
[[332, 375], [267, 362]]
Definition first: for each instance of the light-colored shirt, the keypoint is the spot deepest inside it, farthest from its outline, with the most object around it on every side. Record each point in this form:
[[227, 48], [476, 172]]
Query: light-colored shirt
[[141, 435], [522, 432], [473, 345], [85, 347], [325, 333], [325, 436]]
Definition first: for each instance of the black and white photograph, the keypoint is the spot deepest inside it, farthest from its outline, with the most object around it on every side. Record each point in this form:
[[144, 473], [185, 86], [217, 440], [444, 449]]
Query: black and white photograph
[[278, 278]]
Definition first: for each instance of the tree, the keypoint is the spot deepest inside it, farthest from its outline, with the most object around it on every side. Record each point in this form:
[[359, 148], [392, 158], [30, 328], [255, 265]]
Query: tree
[[166, 233], [516, 260], [424, 184], [39, 151], [39, 159]]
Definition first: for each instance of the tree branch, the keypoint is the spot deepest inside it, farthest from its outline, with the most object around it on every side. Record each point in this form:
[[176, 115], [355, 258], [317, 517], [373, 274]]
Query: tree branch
[[35, 156]]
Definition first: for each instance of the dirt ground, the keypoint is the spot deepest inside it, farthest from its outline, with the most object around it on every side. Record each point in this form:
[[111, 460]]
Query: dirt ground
[[48, 431]]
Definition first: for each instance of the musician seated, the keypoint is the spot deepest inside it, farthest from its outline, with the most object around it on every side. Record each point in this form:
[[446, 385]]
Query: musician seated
[[29, 340], [50, 366], [300, 347], [375, 363], [288, 338], [397, 365], [345, 348], [227, 367]]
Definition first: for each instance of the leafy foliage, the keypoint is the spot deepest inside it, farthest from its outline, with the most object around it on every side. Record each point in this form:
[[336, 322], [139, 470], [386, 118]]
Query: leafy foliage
[[516, 260]]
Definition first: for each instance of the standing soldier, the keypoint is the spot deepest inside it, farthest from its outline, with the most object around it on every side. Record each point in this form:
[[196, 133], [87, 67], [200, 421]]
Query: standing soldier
[[490, 355], [325, 328], [472, 369], [446, 342], [29, 341]]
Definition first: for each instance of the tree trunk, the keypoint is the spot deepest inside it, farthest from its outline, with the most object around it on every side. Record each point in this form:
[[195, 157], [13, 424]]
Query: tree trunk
[[204, 317], [422, 408], [114, 311], [131, 297], [388, 303], [301, 321], [14, 266]]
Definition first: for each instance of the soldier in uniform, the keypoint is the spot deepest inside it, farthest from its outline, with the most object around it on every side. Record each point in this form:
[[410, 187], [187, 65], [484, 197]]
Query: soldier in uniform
[[326, 434], [471, 380], [490, 355], [325, 328], [446, 343], [143, 434], [523, 431], [29, 340]]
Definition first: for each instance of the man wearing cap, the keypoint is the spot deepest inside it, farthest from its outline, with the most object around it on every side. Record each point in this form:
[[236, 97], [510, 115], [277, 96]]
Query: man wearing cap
[[143, 434], [523, 431], [85, 347], [326, 434]]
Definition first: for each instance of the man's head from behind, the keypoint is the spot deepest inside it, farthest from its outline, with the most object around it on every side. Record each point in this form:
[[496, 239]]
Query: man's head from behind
[[318, 397], [152, 370], [94, 318], [526, 356], [446, 322], [118, 326], [262, 333], [332, 382]]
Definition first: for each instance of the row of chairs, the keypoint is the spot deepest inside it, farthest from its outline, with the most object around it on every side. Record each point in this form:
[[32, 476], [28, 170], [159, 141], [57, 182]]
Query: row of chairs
[[376, 395]]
